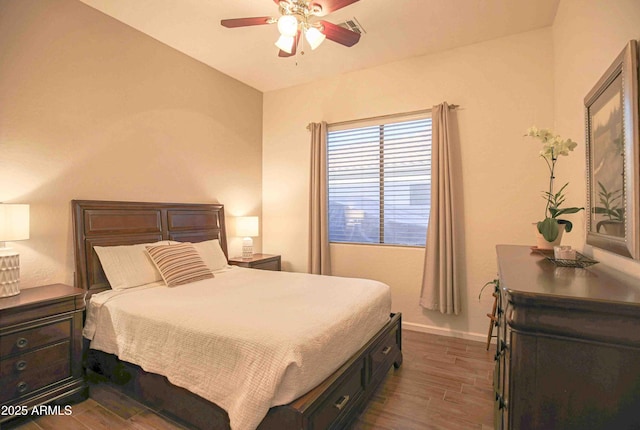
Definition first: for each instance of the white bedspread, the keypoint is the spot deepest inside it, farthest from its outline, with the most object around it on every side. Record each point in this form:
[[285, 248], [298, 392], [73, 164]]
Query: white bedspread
[[247, 339]]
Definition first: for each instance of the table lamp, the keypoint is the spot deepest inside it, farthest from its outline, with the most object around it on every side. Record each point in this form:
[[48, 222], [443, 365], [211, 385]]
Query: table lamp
[[14, 225], [247, 227]]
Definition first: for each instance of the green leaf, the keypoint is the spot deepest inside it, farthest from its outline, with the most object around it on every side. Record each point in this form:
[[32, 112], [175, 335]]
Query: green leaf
[[604, 190], [568, 226], [548, 229], [601, 210], [567, 211]]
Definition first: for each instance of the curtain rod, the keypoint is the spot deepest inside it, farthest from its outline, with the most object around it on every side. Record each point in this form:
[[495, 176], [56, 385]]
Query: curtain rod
[[352, 121]]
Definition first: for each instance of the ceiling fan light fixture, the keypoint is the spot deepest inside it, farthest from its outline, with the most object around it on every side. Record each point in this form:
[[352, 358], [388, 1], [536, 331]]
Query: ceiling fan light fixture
[[314, 37], [285, 43], [288, 25], [299, 16]]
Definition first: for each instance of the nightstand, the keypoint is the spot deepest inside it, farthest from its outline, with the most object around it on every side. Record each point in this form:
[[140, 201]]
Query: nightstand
[[41, 349], [258, 261]]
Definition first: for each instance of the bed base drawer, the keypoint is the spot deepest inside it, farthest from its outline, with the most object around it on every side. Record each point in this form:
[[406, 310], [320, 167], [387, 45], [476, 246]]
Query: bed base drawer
[[384, 354], [339, 401]]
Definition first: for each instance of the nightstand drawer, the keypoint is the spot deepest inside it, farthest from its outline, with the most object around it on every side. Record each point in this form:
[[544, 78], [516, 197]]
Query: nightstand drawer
[[25, 373], [26, 340], [269, 265]]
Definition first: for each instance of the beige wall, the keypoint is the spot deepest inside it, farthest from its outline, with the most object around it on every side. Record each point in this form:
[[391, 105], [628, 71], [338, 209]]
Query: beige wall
[[92, 109], [503, 86], [587, 37]]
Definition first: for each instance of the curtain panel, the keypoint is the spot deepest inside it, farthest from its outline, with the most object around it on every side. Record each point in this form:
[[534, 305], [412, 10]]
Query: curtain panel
[[319, 258], [440, 283]]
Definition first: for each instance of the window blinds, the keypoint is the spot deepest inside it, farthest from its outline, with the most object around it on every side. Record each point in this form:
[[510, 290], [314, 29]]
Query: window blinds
[[379, 178]]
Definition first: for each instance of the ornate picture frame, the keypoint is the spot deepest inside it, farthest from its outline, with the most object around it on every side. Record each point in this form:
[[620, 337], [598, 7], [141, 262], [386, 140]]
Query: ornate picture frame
[[613, 151]]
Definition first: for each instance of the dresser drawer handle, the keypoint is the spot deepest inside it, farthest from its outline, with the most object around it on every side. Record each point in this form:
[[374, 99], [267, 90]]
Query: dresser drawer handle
[[502, 403], [21, 342], [22, 387], [342, 403], [21, 365], [386, 350]]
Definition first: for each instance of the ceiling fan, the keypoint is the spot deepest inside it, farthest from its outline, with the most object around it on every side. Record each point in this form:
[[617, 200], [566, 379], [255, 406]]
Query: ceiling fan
[[297, 17]]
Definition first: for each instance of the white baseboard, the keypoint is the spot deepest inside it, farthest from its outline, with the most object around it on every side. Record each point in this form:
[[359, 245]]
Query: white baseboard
[[445, 332]]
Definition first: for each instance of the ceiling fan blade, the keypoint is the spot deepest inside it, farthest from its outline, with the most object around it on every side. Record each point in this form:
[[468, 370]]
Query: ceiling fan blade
[[328, 6], [339, 34], [285, 54], [245, 22]]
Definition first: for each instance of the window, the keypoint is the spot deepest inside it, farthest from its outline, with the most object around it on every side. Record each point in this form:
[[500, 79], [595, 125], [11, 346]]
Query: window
[[379, 181]]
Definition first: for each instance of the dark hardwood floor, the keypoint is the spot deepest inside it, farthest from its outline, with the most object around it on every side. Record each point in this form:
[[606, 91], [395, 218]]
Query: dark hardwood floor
[[444, 383]]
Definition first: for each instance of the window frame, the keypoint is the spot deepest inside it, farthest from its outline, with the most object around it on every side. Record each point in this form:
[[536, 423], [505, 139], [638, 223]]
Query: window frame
[[381, 123]]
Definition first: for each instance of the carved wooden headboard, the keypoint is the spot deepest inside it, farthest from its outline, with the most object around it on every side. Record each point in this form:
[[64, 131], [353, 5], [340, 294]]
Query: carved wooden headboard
[[106, 223]]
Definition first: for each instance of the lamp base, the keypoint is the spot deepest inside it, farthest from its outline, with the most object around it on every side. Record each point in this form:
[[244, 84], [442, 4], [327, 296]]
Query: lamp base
[[247, 247], [9, 273]]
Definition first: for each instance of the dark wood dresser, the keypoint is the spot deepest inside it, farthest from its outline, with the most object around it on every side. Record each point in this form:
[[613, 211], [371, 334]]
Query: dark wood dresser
[[40, 349], [568, 347]]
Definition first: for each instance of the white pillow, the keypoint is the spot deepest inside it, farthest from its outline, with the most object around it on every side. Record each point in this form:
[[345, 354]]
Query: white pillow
[[128, 266], [212, 254]]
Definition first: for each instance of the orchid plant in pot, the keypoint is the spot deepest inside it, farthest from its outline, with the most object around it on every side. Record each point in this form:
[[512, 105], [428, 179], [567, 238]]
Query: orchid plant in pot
[[551, 226]]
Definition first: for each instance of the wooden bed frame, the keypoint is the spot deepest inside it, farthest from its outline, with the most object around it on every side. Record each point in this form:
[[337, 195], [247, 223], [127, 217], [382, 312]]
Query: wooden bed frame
[[332, 405]]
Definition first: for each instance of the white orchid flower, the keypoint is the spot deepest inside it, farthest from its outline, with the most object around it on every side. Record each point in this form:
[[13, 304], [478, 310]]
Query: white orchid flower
[[552, 147]]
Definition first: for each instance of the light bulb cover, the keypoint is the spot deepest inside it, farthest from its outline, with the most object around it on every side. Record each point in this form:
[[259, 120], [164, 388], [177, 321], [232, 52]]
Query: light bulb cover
[[314, 37], [285, 43], [288, 25]]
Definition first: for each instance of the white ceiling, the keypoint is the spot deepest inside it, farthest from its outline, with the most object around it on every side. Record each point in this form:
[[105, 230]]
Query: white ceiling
[[395, 29]]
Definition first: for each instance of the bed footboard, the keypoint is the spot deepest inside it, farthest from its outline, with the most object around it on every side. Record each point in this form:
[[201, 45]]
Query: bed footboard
[[332, 405]]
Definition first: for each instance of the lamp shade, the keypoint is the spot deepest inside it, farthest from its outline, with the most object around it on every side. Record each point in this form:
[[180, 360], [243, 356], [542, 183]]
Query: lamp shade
[[285, 43], [247, 226], [288, 25], [314, 37], [14, 222]]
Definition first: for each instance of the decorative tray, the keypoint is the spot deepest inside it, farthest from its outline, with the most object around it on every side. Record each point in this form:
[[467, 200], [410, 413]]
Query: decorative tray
[[543, 251], [581, 261]]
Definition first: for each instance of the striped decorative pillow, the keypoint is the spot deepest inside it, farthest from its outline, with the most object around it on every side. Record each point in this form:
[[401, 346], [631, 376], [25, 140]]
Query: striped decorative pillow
[[179, 264]]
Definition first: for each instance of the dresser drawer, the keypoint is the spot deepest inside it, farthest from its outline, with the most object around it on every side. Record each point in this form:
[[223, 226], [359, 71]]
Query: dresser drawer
[[339, 401], [24, 373], [26, 340]]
